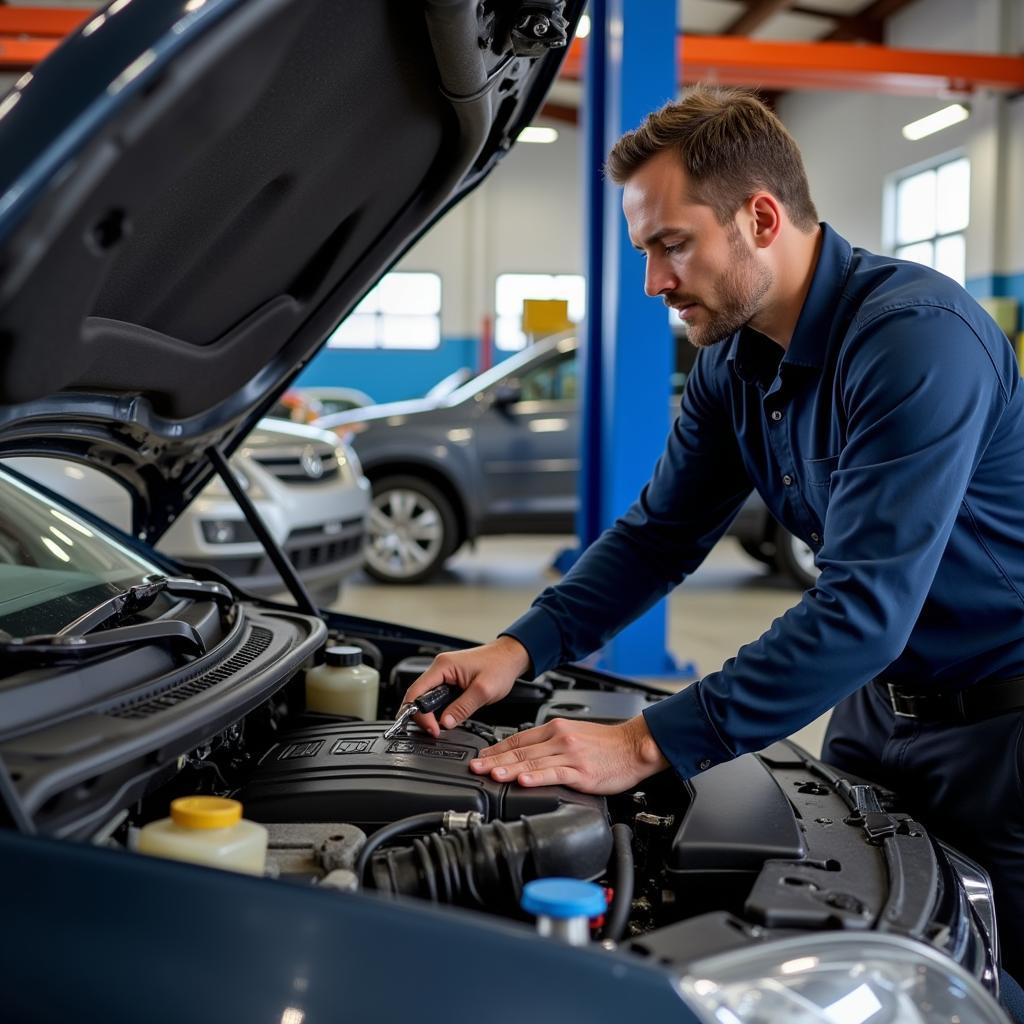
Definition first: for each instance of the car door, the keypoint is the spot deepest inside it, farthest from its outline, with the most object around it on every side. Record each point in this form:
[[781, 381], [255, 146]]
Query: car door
[[528, 442]]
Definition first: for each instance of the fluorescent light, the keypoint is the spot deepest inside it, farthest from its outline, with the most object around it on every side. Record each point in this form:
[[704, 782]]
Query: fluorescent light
[[944, 118], [583, 27], [535, 134]]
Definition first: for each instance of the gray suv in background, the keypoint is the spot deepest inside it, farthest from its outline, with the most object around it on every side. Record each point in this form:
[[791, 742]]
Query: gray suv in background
[[498, 455]]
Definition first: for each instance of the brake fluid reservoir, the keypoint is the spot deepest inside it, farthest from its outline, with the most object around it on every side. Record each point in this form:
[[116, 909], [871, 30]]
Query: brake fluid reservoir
[[343, 685], [207, 830]]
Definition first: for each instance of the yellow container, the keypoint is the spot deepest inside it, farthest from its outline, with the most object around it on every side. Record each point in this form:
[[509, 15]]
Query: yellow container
[[343, 685], [207, 830]]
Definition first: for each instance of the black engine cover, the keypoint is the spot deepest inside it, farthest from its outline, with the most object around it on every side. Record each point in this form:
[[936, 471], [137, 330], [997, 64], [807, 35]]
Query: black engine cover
[[348, 772]]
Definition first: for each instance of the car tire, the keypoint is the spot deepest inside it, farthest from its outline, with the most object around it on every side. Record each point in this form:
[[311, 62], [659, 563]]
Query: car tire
[[795, 559], [756, 551], [411, 530]]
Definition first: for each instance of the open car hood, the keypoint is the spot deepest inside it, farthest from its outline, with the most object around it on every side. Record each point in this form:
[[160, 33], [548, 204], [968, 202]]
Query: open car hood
[[194, 193]]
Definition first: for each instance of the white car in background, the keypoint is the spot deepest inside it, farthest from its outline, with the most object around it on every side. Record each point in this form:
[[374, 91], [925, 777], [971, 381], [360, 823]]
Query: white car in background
[[309, 489]]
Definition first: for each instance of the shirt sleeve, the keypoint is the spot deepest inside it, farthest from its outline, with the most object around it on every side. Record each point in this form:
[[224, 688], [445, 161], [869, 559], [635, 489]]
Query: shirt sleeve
[[698, 486], [921, 398]]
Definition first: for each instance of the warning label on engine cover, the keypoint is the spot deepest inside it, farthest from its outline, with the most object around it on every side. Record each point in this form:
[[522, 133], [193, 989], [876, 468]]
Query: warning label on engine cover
[[427, 750], [351, 746], [301, 750]]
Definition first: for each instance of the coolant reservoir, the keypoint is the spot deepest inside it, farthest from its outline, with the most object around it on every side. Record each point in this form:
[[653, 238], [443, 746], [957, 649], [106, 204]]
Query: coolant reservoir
[[343, 685], [207, 830]]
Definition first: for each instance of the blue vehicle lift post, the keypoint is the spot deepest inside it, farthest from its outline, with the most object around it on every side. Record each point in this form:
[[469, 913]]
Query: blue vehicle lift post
[[628, 353]]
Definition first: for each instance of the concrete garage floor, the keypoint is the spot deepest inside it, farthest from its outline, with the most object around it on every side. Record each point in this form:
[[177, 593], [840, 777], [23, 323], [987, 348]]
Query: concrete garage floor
[[730, 601]]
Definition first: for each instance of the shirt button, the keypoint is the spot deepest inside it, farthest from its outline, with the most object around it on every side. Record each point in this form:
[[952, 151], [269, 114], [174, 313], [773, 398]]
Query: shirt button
[[776, 415], [815, 538], [704, 765], [787, 480]]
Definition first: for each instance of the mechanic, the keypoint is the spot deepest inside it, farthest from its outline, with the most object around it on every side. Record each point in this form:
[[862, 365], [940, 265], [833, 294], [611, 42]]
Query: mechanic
[[878, 411]]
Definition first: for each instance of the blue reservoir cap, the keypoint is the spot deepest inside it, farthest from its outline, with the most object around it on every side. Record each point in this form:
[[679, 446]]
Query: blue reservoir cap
[[563, 898]]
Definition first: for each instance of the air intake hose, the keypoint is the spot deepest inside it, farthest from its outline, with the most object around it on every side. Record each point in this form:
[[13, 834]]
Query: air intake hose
[[486, 865]]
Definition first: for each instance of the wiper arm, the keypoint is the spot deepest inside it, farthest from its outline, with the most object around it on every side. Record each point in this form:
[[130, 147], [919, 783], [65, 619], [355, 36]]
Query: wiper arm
[[62, 648], [139, 597]]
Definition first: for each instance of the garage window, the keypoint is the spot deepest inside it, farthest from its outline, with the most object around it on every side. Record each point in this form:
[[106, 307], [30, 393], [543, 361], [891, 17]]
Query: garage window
[[402, 311], [932, 211], [511, 290]]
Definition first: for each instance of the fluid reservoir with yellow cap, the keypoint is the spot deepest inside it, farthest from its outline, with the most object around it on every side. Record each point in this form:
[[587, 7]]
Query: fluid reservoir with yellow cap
[[343, 685], [207, 830]]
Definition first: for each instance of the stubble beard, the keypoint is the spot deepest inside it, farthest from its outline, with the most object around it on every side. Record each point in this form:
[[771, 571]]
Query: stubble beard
[[738, 296]]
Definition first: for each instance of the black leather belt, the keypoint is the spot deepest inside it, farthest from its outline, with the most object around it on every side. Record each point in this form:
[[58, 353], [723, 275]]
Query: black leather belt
[[981, 700]]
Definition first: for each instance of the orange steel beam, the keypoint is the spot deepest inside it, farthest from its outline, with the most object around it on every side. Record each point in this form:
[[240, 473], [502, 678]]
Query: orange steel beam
[[732, 60], [22, 54], [41, 22]]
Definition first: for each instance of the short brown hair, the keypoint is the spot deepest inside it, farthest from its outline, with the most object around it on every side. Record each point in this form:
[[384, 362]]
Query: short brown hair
[[731, 146]]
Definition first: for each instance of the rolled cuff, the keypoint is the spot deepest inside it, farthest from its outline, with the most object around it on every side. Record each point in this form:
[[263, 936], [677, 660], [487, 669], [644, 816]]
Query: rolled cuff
[[684, 733], [538, 632]]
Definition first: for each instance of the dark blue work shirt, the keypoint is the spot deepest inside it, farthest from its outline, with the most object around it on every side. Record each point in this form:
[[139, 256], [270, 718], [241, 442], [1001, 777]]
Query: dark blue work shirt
[[890, 438]]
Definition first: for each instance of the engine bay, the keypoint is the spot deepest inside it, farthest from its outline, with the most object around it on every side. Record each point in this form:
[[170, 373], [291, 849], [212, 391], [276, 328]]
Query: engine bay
[[767, 845]]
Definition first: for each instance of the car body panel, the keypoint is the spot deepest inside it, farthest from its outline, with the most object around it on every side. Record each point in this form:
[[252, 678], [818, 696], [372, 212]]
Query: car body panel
[[260, 950]]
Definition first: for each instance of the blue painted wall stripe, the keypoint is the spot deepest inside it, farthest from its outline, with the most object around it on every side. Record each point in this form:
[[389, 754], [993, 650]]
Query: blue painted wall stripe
[[1000, 286]]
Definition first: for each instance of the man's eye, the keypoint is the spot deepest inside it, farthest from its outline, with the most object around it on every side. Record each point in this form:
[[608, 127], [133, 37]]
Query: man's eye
[[673, 248]]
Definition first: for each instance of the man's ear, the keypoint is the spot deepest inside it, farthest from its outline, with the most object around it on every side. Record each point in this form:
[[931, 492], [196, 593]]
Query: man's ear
[[765, 212]]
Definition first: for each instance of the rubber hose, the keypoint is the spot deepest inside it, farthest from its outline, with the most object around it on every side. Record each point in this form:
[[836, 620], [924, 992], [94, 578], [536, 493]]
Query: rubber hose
[[622, 883], [416, 823]]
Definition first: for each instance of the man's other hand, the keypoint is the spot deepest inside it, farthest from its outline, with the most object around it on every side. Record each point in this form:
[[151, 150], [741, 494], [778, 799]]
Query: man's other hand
[[583, 755], [486, 673]]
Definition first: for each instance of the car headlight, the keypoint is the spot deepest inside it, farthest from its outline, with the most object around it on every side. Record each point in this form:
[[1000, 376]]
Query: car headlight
[[837, 978], [346, 454]]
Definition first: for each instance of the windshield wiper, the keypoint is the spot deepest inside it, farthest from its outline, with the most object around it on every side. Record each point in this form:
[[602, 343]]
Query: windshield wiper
[[55, 649], [79, 639], [139, 597]]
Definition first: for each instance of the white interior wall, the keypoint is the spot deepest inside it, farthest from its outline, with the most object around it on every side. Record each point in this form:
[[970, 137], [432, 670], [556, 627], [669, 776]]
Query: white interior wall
[[852, 143], [526, 218]]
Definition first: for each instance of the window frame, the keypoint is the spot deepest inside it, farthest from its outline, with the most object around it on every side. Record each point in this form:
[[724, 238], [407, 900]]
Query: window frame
[[891, 208], [383, 316]]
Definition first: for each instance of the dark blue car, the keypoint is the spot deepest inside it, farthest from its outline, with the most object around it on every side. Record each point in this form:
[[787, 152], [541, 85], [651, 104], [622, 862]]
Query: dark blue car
[[193, 193]]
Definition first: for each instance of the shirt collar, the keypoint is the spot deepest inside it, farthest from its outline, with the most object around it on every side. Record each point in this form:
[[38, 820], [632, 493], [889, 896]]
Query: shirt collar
[[807, 346]]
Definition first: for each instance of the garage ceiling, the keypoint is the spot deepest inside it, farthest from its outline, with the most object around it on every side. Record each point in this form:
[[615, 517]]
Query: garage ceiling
[[794, 20]]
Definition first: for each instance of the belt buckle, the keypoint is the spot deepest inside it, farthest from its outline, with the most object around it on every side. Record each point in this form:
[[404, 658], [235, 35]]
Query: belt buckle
[[894, 697]]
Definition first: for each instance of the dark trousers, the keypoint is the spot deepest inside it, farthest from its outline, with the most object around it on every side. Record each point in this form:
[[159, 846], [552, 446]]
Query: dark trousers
[[962, 781]]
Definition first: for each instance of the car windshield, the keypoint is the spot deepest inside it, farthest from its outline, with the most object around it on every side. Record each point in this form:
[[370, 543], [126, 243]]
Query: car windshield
[[506, 368], [55, 566]]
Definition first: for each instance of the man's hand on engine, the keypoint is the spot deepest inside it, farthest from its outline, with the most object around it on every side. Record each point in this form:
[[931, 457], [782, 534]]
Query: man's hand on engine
[[584, 755], [486, 673]]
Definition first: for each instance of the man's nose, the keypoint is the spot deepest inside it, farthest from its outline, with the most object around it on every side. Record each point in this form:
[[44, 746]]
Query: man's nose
[[659, 278]]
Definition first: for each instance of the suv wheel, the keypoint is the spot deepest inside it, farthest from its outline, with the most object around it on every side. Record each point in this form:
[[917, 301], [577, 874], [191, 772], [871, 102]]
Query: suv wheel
[[411, 532], [795, 559]]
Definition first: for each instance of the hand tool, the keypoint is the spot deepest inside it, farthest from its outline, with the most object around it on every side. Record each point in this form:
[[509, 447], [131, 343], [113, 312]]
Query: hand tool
[[433, 700]]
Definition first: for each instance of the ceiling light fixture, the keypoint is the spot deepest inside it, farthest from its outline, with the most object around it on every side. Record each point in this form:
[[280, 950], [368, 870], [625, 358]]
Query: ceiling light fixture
[[535, 134], [944, 118]]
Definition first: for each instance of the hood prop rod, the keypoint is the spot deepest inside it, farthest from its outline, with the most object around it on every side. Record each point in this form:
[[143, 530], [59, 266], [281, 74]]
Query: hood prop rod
[[284, 568]]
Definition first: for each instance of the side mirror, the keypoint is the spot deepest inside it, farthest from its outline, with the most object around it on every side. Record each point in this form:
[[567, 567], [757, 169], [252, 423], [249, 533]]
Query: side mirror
[[507, 393]]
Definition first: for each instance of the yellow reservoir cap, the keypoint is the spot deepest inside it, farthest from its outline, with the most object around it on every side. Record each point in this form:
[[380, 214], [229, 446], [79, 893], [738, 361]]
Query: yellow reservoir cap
[[205, 812]]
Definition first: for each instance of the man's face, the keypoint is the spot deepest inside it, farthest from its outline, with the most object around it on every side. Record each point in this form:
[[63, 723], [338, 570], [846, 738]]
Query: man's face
[[704, 270]]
